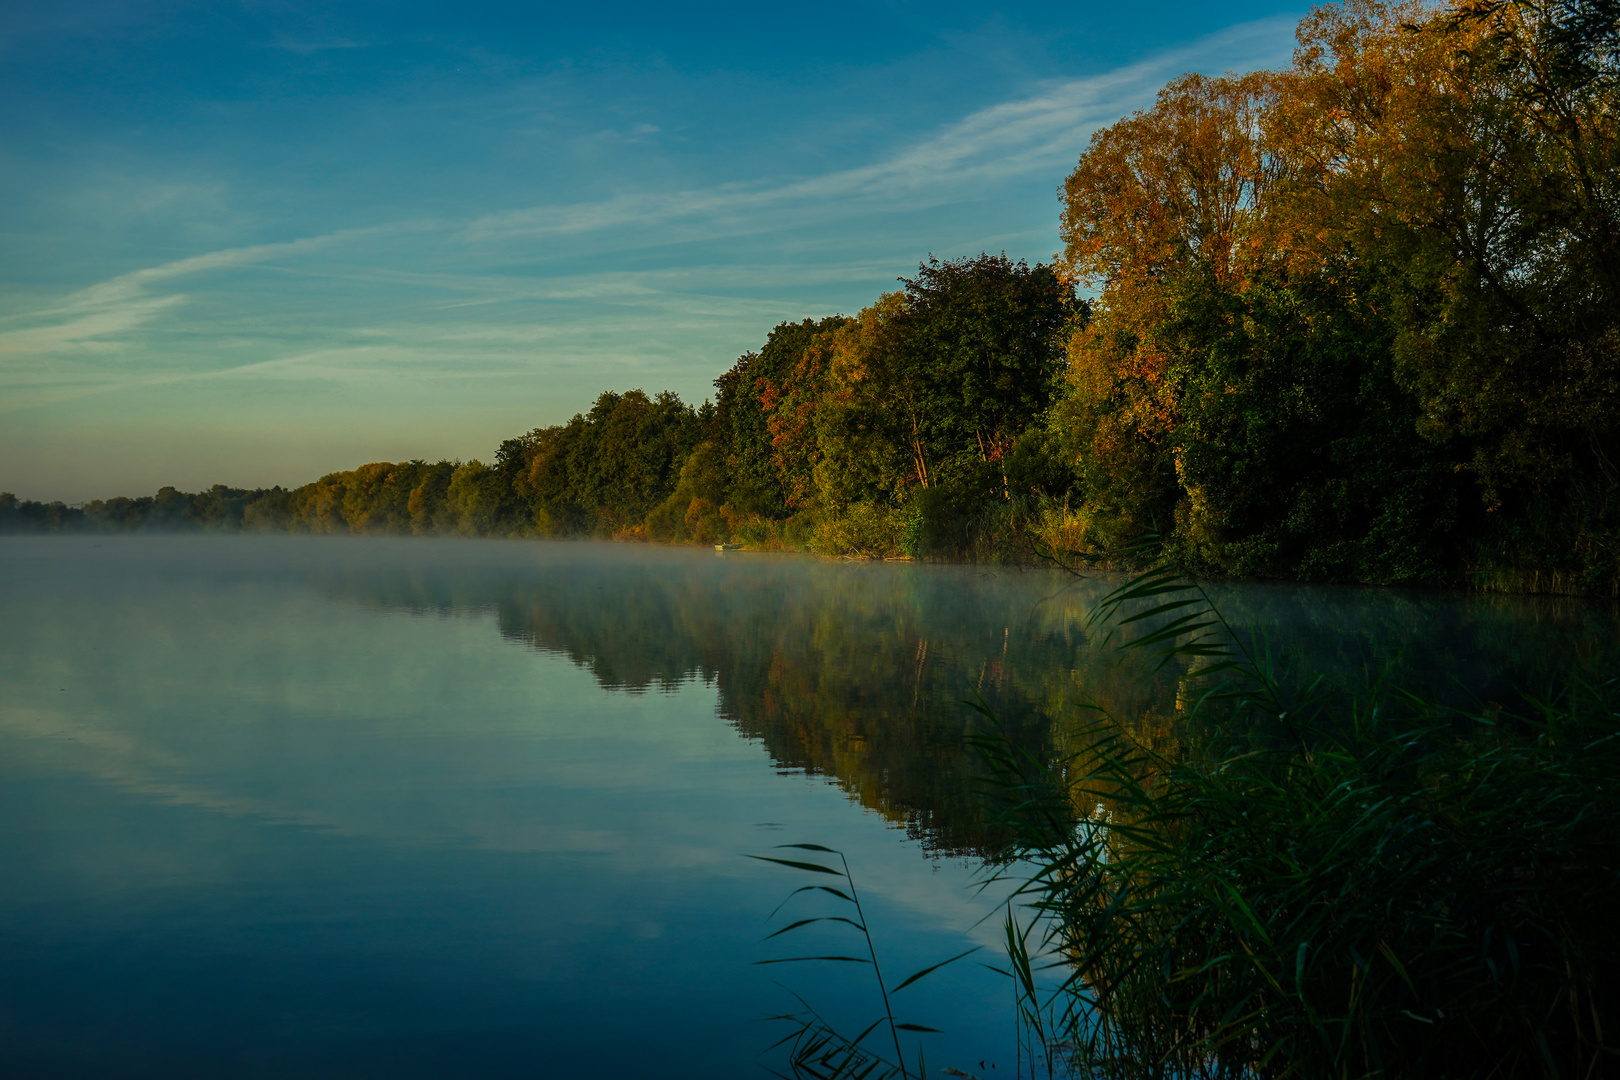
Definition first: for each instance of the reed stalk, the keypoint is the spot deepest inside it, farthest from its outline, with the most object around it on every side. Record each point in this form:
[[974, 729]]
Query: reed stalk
[[1320, 886]]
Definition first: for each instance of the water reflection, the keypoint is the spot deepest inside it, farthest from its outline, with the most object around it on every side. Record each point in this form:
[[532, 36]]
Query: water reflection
[[863, 672], [416, 808]]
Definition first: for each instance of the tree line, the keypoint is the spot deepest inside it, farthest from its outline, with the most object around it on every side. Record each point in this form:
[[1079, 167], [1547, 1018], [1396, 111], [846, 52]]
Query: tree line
[[1357, 319]]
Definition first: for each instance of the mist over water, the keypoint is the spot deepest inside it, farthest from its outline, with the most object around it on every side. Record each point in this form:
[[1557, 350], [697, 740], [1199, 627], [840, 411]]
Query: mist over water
[[349, 807]]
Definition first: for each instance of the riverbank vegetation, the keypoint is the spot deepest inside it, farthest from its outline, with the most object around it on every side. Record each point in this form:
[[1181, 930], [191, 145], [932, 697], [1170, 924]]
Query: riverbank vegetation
[[1357, 319], [1312, 884]]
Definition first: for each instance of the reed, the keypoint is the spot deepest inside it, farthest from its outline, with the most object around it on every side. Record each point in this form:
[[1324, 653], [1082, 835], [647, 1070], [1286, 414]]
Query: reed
[[815, 1049], [1320, 886]]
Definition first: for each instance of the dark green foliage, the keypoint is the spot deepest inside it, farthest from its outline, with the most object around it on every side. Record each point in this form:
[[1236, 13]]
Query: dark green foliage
[[599, 474], [941, 521], [961, 521], [220, 508], [1298, 454], [632, 453], [28, 516], [980, 345], [604, 471], [692, 511], [1323, 886], [1036, 465], [626, 455]]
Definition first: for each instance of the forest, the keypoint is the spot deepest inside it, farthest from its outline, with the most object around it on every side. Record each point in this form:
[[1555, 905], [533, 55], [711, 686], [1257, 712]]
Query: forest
[[1353, 320]]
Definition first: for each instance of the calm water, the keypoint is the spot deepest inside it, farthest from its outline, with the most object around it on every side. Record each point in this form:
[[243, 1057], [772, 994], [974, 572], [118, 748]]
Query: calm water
[[293, 806]]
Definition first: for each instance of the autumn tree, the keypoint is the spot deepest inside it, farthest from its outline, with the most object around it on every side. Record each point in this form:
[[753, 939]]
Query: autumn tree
[[1177, 189], [742, 419], [1235, 389], [1474, 153]]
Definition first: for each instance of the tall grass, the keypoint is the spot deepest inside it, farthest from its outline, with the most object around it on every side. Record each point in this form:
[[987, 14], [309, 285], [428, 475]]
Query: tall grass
[[1322, 886], [815, 1049]]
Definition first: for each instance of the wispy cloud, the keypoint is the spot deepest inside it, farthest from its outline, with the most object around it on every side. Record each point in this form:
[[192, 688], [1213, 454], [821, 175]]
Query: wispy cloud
[[91, 317], [127, 286], [84, 325], [74, 346], [1028, 136]]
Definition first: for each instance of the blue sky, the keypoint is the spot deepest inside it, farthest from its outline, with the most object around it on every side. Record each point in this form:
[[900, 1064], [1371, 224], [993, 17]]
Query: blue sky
[[251, 243]]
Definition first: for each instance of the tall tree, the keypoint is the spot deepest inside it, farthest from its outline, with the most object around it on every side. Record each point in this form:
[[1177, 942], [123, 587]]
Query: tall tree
[[743, 420], [974, 360], [1477, 153]]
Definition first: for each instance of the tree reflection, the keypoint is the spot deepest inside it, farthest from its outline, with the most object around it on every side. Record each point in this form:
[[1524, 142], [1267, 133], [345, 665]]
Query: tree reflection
[[862, 673]]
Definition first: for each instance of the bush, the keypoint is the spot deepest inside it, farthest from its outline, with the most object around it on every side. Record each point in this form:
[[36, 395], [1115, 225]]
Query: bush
[[941, 522], [863, 530]]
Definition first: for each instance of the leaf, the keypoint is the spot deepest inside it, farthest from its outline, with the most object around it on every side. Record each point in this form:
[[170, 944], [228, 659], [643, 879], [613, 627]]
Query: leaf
[[807, 922], [916, 1027], [808, 888], [799, 959], [1159, 609], [1394, 962], [811, 847], [859, 1038], [933, 967], [798, 865]]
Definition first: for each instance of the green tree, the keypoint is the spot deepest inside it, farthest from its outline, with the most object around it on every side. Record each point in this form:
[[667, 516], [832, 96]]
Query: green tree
[[603, 471], [1477, 151], [746, 397], [1296, 453], [975, 360]]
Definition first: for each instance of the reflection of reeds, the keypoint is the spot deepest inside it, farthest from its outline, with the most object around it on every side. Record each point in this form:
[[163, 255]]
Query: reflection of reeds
[[1542, 581], [1319, 886]]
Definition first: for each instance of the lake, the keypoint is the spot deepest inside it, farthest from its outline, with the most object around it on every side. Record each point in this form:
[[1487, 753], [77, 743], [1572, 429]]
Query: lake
[[281, 806]]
